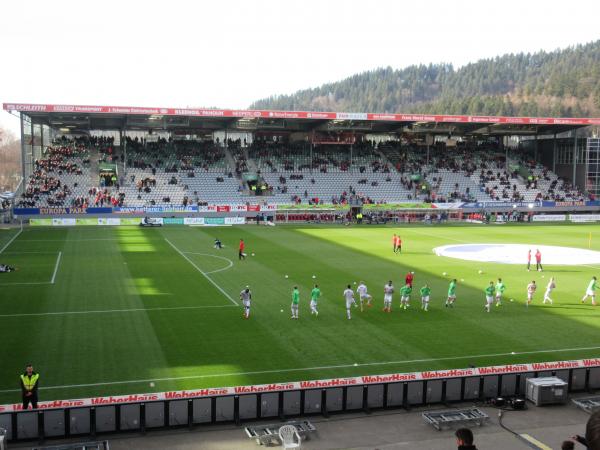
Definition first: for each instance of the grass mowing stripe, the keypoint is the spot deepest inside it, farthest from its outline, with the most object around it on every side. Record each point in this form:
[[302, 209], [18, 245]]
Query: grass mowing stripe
[[306, 369], [110, 311], [203, 273], [56, 268], [11, 240]]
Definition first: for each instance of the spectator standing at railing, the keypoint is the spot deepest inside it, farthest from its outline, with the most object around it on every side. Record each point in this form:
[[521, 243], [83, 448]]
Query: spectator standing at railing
[[464, 439], [29, 387]]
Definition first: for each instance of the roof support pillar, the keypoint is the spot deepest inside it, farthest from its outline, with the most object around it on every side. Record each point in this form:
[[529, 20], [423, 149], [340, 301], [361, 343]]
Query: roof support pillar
[[574, 156], [554, 154], [23, 172]]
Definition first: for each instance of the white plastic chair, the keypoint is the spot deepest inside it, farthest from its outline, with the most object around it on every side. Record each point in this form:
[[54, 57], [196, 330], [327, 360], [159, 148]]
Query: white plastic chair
[[288, 434]]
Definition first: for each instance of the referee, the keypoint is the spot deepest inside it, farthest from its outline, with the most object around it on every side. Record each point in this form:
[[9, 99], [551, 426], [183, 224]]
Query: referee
[[29, 387]]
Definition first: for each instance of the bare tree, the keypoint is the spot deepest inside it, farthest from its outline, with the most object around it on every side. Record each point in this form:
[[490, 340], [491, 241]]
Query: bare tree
[[10, 160]]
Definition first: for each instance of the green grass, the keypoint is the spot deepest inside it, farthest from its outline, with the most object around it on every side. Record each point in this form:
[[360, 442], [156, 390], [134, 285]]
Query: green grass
[[206, 343]]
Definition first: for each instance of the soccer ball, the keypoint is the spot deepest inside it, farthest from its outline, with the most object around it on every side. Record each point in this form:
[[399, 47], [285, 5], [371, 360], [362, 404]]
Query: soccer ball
[[287, 276], [444, 274], [152, 384], [253, 254], [512, 300], [282, 310], [355, 282], [480, 272], [314, 276], [462, 279]]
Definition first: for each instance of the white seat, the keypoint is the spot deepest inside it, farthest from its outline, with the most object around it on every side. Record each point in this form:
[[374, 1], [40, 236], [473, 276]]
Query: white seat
[[288, 434]]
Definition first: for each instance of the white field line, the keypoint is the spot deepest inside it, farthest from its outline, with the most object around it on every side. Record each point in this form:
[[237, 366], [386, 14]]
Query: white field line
[[69, 240], [203, 273], [214, 256], [11, 240], [30, 253], [304, 369], [56, 268], [110, 311]]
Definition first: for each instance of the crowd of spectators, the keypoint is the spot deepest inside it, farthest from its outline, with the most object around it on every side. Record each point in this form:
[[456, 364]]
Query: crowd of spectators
[[45, 183]]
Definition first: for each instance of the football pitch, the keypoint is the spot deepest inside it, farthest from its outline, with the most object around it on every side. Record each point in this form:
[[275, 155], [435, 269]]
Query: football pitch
[[120, 310]]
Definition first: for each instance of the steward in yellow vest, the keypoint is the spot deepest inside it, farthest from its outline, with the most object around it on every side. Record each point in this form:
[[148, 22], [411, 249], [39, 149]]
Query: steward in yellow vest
[[29, 387]]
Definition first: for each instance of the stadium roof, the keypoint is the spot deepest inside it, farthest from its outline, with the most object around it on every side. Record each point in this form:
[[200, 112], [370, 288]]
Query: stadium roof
[[81, 118]]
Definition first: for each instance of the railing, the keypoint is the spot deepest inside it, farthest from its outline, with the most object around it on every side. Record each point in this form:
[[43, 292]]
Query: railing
[[236, 405]]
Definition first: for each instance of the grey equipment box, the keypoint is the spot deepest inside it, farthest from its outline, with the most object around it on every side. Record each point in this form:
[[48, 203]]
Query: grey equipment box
[[547, 390]]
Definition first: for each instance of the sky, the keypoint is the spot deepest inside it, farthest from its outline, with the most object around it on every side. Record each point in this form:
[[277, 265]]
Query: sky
[[229, 53]]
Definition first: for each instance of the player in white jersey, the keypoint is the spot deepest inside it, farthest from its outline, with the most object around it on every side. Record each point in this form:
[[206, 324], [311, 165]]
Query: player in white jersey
[[363, 295], [246, 297], [349, 297], [551, 286], [388, 291], [591, 291], [531, 288]]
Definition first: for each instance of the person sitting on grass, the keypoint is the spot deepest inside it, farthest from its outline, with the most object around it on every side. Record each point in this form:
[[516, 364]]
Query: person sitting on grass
[[4, 268]]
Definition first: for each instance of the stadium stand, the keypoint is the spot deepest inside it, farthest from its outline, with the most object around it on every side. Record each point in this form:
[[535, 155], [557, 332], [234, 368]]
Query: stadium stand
[[168, 172]]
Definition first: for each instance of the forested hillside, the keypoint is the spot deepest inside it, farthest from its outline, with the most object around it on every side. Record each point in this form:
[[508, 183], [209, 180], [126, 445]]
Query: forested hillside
[[560, 83]]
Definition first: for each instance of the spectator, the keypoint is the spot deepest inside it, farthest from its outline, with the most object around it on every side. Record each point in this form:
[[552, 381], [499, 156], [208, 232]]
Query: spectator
[[464, 439], [592, 433], [567, 445]]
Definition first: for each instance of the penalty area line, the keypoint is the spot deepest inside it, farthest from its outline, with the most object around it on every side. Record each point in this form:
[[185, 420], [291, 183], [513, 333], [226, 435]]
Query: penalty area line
[[204, 274], [56, 268], [11, 240], [306, 369]]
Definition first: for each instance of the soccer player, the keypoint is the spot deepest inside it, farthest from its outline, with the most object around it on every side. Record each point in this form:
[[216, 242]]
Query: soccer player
[[242, 246], [500, 288], [394, 242], [405, 292], [538, 260], [314, 298], [5, 268], [531, 288], [388, 291], [425, 292], [409, 278], [591, 291], [246, 297], [489, 296], [349, 297], [398, 244], [218, 244], [529, 260], [295, 302], [549, 289], [451, 294], [363, 295]]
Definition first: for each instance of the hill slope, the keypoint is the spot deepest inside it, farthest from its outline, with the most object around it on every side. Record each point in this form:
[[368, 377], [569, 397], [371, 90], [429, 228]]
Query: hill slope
[[564, 82]]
